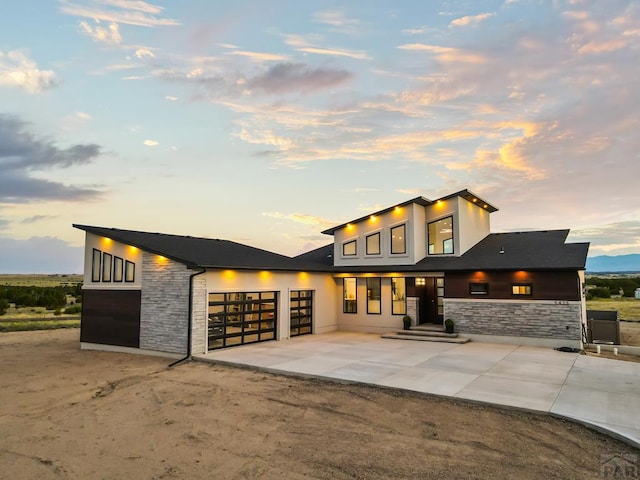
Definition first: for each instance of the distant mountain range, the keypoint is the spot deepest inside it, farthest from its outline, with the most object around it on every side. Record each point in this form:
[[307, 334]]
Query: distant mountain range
[[615, 263]]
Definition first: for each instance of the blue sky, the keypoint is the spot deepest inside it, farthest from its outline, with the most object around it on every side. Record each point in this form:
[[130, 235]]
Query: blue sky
[[267, 122]]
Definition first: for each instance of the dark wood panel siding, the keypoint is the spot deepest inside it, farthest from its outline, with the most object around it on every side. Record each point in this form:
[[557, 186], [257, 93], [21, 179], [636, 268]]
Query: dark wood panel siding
[[562, 285], [111, 317]]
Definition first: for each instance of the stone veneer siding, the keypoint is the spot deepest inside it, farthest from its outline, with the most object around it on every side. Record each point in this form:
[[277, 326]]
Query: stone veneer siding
[[164, 305], [536, 319], [199, 315]]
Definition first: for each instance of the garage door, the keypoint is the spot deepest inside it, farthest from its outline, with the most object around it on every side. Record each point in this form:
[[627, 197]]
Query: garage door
[[240, 318], [301, 302]]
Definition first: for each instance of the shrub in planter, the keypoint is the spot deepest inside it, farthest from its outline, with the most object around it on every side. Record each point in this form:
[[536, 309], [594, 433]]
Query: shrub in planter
[[448, 325], [406, 320]]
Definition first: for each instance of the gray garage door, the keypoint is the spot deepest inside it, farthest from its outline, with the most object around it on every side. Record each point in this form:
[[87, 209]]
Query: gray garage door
[[240, 318], [301, 302]]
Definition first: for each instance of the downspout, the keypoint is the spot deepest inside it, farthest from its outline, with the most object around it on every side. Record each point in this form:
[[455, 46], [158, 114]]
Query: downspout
[[190, 326]]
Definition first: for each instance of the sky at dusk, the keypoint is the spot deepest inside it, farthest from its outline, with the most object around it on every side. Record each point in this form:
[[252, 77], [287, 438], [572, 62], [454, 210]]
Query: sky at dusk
[[265, 122]]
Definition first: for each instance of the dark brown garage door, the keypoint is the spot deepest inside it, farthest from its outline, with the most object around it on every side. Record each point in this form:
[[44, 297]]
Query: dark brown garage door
[[111, 317]]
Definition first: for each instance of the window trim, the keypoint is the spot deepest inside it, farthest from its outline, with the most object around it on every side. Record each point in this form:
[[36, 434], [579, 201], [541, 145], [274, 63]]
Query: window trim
[[431, 245], [484, 284], [404, 239], [344, 292], [366, 244], [96, 265], [355, 243], [525, 285], [107, 266], [369, 289]]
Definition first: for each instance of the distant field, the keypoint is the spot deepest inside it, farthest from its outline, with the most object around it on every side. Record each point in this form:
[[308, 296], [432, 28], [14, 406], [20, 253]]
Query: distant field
[[628, 308], [38, 318], [39, 280]]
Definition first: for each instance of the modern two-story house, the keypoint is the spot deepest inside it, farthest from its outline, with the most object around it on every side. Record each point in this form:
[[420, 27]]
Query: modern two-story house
[[431, 259]]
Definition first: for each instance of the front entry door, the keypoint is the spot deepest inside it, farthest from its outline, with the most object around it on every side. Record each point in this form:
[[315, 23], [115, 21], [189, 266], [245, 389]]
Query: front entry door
[[430, 291]]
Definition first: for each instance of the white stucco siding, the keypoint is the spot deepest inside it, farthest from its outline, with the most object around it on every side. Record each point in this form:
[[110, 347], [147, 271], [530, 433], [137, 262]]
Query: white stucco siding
[[412, 216], [472, 225], [363, 321], [228, 281], [116, 249], [470, 221]]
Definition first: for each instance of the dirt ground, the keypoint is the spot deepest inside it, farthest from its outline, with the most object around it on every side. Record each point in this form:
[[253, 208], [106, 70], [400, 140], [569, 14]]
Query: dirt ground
[[71, 414], [630, 333]]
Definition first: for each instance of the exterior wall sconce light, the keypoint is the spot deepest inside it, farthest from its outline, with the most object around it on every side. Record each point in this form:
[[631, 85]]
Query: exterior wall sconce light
[[501, 250]]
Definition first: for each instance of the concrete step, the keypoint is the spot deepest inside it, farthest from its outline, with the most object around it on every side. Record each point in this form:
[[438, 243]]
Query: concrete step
[[429, 327], [427, 333], [421, 338]]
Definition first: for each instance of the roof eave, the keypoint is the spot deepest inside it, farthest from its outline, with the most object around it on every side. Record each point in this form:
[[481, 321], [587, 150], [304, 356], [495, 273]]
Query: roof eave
[[93, 230], [419, 200]]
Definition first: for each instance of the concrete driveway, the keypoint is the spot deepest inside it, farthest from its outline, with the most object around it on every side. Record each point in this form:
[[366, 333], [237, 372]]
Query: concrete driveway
[[597, 391]]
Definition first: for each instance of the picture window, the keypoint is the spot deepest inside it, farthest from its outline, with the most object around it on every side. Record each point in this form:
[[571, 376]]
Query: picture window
[[398, 239], [441, 236], [349, 249], [373, 244]]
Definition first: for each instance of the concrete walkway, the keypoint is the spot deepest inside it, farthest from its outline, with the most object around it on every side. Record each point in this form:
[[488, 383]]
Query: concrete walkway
[[597, 391]]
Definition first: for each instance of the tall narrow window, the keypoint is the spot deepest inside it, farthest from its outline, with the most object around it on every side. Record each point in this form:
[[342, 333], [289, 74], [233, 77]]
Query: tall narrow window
[[349, 248], [96, 265], [350, 296], [106, 267], [398, 239], [441, 236], [398, 296], [129, 271], [117, 269], [373, 244], [373, 295]]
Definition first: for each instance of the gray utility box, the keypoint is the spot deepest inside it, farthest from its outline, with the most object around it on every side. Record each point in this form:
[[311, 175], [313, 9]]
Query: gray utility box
[[603, 327]]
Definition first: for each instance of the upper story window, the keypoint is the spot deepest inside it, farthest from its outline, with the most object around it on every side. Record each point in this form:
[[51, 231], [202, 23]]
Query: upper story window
[[107, 260], [96, 265], [129, 271], [441, 236], [109, 268], [117, 269], [349, 249], [398, 239], [373, 244]]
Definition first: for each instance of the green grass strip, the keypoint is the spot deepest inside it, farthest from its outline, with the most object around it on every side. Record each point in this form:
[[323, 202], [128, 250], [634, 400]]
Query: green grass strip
[[38, 325]]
